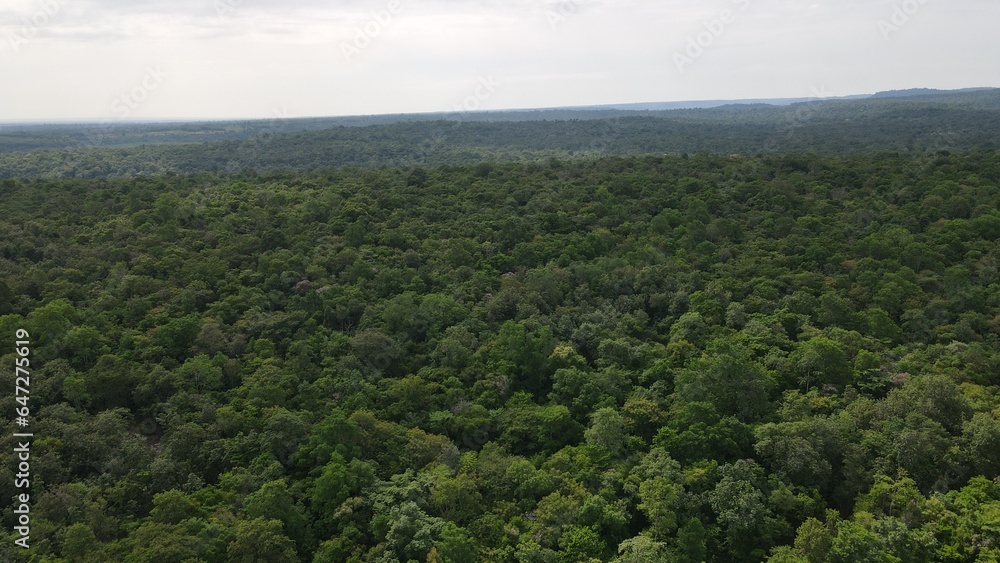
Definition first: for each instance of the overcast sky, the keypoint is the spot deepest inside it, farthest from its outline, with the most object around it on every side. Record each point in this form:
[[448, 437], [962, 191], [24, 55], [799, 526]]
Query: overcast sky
[[142, 59]]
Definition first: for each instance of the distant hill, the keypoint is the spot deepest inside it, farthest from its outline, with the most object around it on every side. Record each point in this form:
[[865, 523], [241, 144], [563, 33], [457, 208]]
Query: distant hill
[[923, 92], [954, 121], [708, 104], [16, 137]]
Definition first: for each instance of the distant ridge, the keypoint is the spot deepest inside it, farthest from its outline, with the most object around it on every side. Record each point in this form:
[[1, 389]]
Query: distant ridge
[[907, 121], [708, 104], [526, 113], [924, 92]]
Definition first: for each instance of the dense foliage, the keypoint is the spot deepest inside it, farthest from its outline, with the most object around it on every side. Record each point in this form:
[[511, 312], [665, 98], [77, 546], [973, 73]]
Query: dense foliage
[[913, 125], [642, 359]]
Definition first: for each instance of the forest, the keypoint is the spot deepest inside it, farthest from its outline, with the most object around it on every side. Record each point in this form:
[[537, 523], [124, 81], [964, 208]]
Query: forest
[[913, 125], [730, 355]]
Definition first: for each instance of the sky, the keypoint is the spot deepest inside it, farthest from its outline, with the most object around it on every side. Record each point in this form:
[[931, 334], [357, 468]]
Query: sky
[[219, 59]]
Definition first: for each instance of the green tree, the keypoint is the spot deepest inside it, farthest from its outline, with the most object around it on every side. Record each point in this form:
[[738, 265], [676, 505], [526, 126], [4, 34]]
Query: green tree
[[532, 428], [814, 539], [656, 481], [83, 345], [734, 386], [579, 543], [412, 533], [854, 543], [642, 549], [261, 541], [174, 506], [820, 361], [981, 444], [607, 430], [274, 501], [742, 510], [80, 544], [200, 373], [338, 481], [523, 354]]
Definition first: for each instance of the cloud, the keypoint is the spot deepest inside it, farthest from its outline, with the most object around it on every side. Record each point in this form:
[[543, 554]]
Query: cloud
[[229, 58]]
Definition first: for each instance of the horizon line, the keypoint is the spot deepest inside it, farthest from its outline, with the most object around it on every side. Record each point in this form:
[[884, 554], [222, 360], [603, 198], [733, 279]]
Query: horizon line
[[613, 106]]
